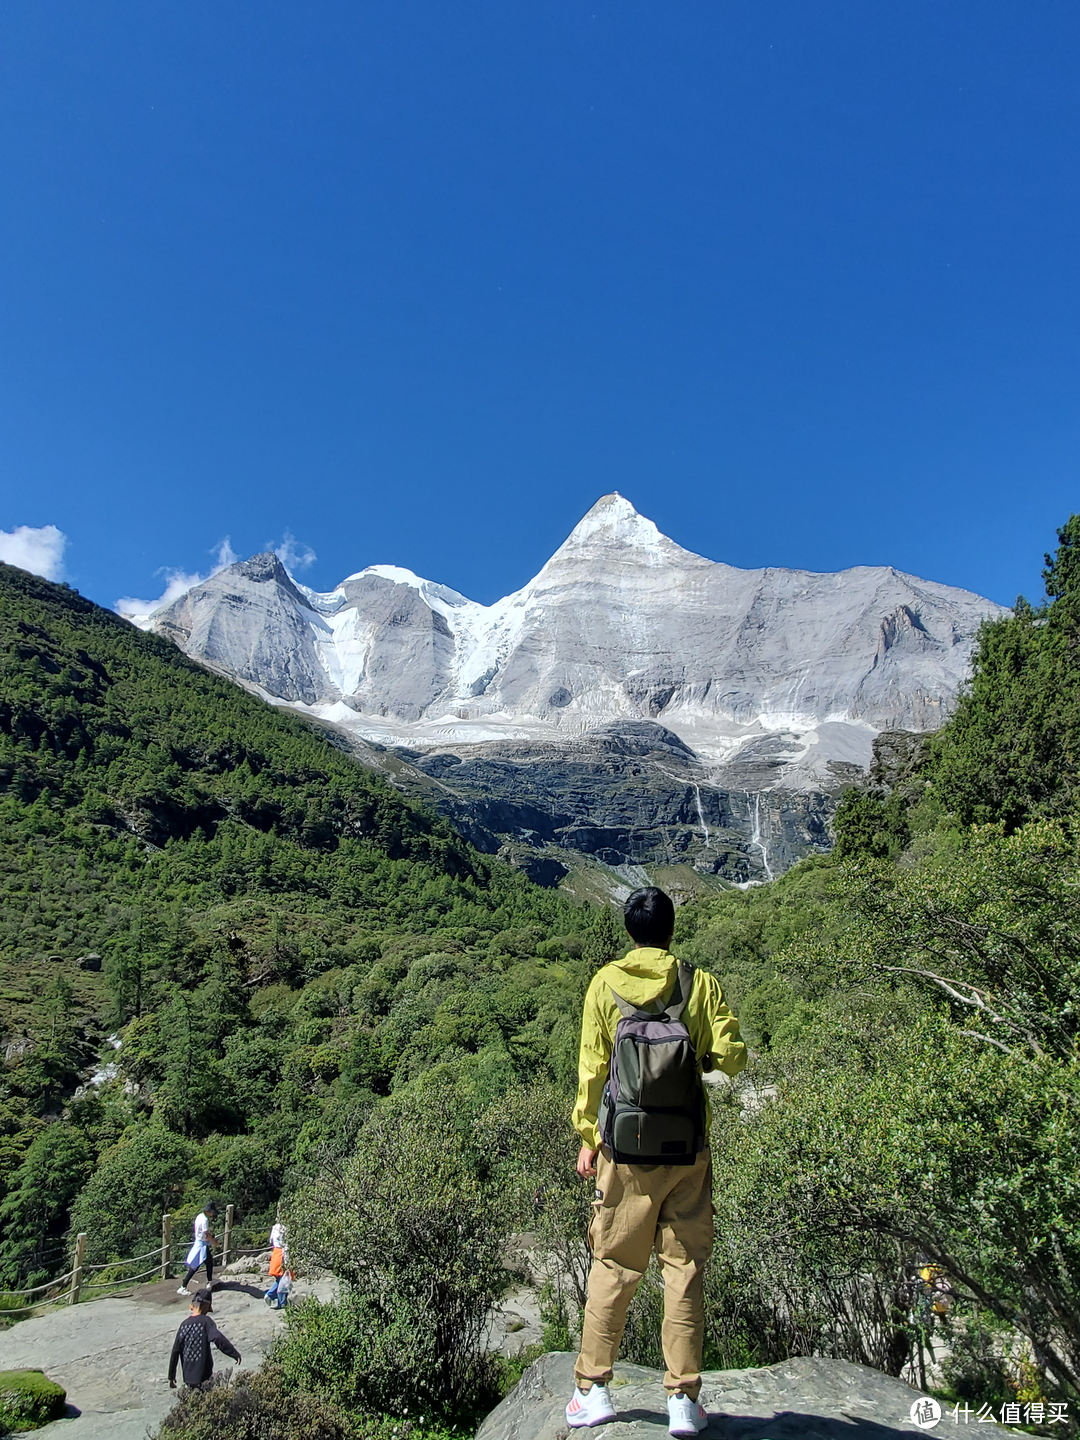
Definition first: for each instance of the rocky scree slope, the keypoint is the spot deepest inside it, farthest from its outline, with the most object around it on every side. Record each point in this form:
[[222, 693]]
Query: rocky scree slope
[[774, 681]]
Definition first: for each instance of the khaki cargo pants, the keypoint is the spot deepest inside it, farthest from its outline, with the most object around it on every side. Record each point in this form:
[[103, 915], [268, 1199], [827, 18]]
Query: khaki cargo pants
[[639, 1208]]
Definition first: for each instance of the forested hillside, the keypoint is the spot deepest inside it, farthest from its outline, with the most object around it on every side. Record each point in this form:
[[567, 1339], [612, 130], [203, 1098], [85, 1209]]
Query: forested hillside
[[280, 936]]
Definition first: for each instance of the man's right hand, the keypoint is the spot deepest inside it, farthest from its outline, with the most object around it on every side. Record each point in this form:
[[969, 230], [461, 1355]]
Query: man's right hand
[[586, 1162]]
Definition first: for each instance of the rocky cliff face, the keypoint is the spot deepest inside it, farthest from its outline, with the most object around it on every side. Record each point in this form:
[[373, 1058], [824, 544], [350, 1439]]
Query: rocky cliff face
[[630, 793], [760, 690]]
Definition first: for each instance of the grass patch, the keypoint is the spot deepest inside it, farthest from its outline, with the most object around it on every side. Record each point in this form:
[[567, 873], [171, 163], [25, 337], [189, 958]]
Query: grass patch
[[29, 1399]]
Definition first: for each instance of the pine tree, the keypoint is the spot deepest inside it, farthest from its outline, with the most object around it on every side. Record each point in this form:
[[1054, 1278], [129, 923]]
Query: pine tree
[[1062, 573], [33, 1216], [1011, 750], [605, 940]]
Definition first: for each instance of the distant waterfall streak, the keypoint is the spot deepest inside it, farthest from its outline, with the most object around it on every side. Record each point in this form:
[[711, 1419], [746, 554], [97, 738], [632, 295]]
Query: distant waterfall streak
[[753, 808], [701, 815]]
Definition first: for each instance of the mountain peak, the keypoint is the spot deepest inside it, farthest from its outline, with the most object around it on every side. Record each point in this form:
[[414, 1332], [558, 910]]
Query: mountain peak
[[615, 529], [260, 568], [613, 514]]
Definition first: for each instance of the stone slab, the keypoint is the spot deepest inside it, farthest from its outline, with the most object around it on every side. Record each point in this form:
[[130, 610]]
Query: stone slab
[[803, 1399]]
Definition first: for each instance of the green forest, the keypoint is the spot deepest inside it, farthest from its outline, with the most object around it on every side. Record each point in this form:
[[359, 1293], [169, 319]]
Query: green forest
[[305, 991], [275, 935]]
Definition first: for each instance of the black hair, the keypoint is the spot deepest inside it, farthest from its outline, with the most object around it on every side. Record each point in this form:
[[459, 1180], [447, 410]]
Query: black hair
[[211, 1205], [204, 1299], [649, 917]]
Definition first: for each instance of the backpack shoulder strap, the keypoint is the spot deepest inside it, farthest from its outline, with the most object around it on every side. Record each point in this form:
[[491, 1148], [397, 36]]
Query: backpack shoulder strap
[[684, 983]]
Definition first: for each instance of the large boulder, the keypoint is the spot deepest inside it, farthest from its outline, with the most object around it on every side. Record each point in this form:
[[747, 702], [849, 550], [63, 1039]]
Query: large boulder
[[803, 1399]]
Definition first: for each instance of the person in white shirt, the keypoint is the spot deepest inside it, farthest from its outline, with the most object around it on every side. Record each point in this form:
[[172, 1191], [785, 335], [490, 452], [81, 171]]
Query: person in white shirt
[[279, 1271], [202, 1251]]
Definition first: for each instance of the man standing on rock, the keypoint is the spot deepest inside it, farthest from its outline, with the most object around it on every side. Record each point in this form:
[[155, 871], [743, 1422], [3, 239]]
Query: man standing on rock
[[650, 1026]]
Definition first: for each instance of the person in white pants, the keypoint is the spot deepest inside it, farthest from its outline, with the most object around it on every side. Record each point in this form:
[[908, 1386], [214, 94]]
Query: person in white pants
[[202, 1251]]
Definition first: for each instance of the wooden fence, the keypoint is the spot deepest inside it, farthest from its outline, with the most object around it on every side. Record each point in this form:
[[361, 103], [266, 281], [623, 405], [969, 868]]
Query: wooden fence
[[76, 1285]]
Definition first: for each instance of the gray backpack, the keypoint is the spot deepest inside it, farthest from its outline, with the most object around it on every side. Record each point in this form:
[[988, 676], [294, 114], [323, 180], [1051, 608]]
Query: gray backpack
[[653, 1107]]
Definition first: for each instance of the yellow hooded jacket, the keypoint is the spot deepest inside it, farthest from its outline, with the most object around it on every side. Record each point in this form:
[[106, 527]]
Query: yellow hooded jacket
[[644, 975]]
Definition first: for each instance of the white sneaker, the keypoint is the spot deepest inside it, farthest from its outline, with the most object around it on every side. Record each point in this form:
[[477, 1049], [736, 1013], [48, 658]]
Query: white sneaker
[[685, 1416], [182, 1290], [594, 1408]]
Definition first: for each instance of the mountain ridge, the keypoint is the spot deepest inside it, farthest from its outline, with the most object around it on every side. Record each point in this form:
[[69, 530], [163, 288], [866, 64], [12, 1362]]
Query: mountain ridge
[[620, 623], [775, 680]]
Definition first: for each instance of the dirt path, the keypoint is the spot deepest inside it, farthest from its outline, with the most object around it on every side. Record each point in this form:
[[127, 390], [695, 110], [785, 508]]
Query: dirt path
[[112, 1356]]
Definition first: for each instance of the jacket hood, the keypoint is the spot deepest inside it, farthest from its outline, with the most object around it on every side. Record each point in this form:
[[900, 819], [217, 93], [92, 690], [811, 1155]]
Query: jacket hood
[[644, 974]]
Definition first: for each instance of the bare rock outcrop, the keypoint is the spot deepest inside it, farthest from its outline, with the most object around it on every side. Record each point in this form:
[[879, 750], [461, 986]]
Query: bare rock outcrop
[[804, 1399]]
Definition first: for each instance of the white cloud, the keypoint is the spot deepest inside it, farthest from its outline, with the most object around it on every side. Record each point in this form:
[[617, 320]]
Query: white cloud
[[223, 554], [292, 553], [177, 583], [41, 551]]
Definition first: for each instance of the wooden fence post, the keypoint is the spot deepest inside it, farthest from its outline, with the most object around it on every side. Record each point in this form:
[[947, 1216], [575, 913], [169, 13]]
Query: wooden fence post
[[166, 1245], [228, 1236], [77, 1269]]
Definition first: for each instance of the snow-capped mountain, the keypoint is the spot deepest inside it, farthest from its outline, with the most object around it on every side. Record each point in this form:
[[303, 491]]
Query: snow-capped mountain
[[635, 703], [621, 623]]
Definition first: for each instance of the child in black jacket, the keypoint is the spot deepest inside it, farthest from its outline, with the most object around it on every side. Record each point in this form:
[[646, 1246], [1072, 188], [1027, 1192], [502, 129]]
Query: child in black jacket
[[193, 1341]]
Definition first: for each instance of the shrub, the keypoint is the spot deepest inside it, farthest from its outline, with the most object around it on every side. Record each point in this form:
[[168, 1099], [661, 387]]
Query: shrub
[[975, 1367], [952, 1117], [244, 1169], [906, 1141], [252, 1407], [528, 1129], [413, 1226], [257, 1405], [360, 1352], [28, 1398]]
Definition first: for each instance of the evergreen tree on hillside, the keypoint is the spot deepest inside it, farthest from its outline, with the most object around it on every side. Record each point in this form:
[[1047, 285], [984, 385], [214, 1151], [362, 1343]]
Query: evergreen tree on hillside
[[605, 940], [1012, 750], [33, 1215], [1062, 573], [868, 823]]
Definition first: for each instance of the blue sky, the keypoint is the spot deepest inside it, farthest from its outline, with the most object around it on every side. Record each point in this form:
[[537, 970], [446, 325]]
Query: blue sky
[[416, 282]]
